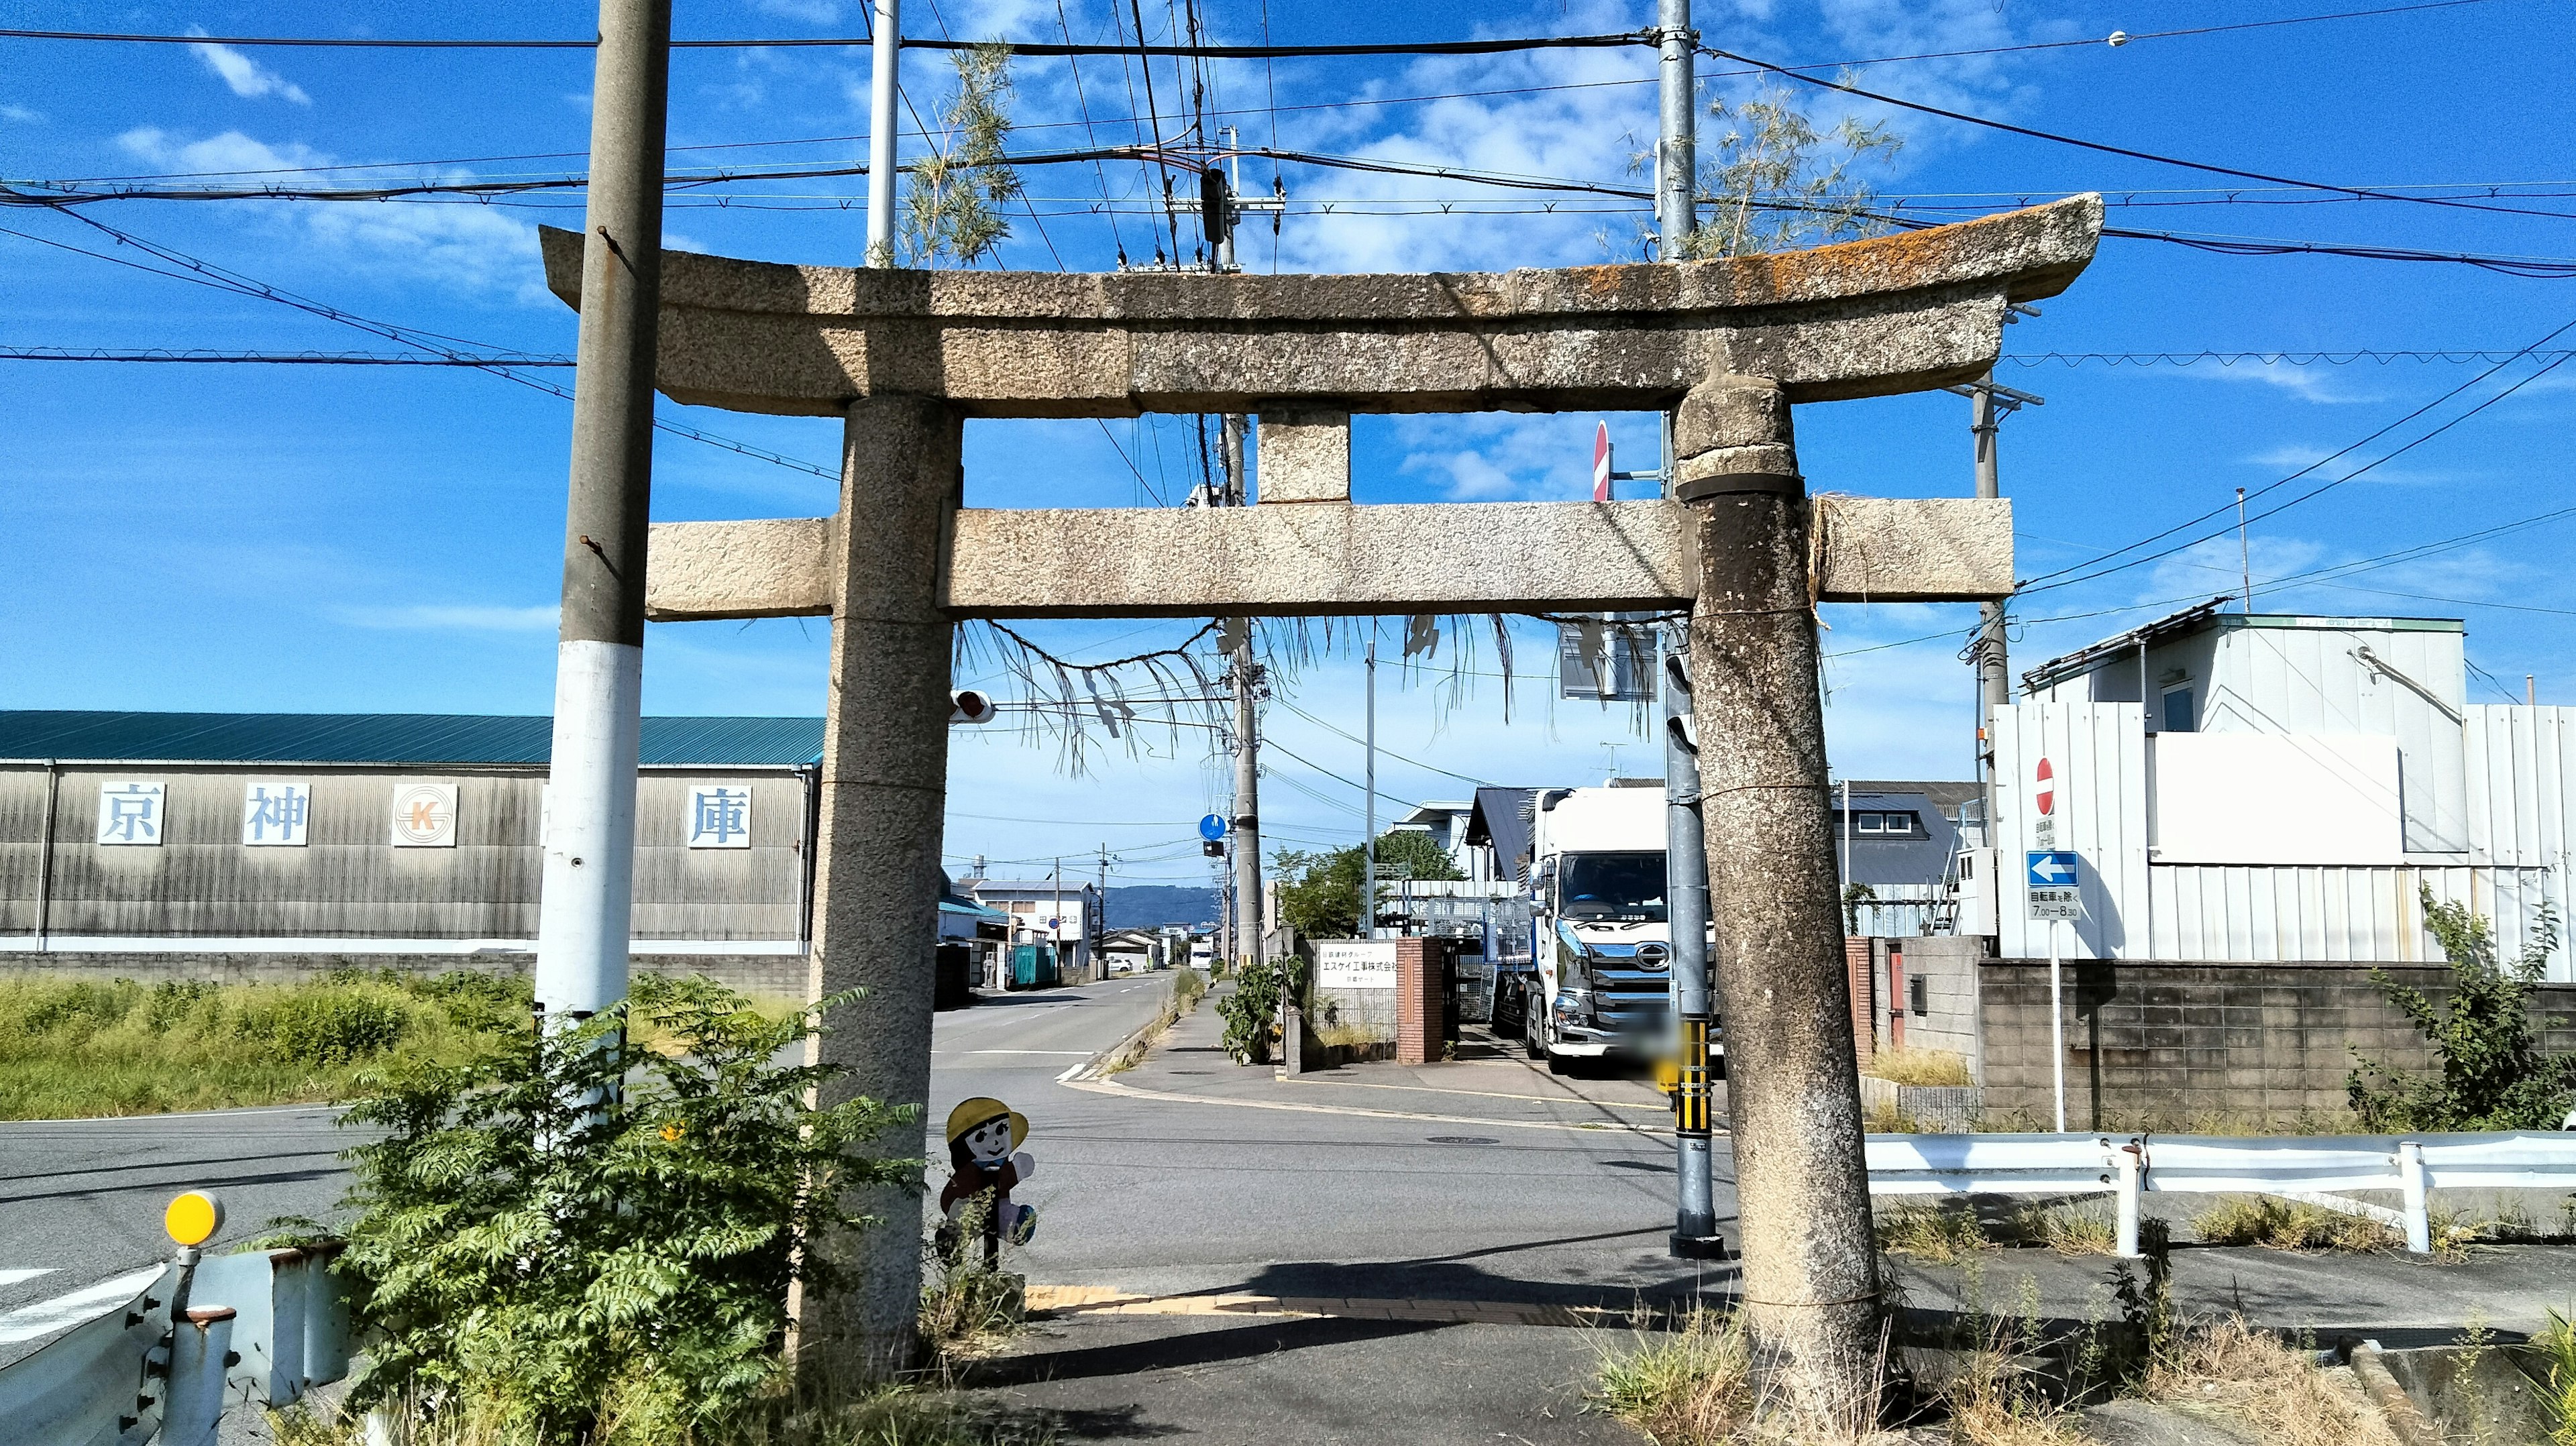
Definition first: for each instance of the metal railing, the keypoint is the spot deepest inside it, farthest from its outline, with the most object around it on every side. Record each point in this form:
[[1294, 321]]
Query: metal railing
[[206, 1333], [2312, 1169]]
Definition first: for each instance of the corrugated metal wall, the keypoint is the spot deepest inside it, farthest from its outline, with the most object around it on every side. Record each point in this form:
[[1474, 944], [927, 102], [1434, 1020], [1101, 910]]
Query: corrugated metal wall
[[2515, 791], [348, 881], [2306, 680]]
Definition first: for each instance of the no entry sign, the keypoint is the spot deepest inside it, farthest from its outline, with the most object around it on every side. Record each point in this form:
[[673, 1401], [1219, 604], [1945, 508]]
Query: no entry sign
[[2043, 797]]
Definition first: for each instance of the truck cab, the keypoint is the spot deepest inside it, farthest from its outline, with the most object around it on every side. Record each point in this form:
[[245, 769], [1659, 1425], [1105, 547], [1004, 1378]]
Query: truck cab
[[1599, 933]]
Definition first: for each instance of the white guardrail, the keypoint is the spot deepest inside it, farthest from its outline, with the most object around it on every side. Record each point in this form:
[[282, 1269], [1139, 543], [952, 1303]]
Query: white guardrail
[[258, 1328], [2307, 1168]]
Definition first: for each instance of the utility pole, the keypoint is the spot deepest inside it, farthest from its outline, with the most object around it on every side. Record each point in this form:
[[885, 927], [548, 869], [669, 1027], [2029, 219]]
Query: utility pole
[[1691, 1006], [1676, 150], [884, 77], [587, 902], [1096, 927], [1368, 839], [1055, 919], [1989, 405]]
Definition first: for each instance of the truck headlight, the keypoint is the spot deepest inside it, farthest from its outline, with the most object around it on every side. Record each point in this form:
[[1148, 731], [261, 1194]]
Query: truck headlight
[[1572, 1003]]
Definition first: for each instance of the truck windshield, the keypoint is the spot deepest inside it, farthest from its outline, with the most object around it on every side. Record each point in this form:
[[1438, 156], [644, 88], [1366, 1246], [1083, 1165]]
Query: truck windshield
[[1613, 886]]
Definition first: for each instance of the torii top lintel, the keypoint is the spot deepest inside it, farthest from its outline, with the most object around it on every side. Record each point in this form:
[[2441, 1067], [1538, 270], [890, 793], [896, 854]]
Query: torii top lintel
[[1897, 313]]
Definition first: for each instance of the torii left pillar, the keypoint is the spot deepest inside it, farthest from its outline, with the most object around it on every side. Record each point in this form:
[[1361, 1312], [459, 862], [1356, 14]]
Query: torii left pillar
[[876, 865]]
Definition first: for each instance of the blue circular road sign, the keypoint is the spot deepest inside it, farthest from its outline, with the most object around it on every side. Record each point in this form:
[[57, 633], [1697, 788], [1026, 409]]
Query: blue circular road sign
[[1212, 827]]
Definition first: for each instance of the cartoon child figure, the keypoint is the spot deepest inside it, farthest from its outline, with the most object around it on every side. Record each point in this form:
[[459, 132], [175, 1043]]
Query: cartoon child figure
[[982, 1135]]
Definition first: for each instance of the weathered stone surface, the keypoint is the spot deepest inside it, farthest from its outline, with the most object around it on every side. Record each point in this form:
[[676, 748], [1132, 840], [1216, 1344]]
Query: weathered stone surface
[[1729, 412], [1765, 459], [1320, 558], [1914, 549], [767, 569], [1890, 314], [1303, 457]]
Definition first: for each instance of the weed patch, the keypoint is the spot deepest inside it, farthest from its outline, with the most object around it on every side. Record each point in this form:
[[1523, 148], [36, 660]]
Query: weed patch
[[1932, 1068], [1936, 1233], [2287, 1225], [72, 1048]]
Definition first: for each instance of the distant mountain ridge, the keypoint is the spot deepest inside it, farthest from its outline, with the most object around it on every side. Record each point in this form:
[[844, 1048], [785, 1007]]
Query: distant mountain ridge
[[1147, 906]]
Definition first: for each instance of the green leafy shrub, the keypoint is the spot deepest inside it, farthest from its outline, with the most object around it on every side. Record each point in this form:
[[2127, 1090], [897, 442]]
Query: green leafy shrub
[[574, 1241], [1251, 1012], [2491, 1073]]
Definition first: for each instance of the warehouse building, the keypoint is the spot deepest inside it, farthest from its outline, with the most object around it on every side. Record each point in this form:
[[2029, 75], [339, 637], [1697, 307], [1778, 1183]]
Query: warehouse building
[[275, 845]]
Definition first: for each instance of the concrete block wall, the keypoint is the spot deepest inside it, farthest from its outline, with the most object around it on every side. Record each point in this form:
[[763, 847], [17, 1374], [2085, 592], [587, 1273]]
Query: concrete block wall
[[784, 975], [1946, 970], [2170, 1043]]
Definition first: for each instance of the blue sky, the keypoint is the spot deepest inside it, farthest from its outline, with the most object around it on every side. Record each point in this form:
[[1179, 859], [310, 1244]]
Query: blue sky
[[325, 538]]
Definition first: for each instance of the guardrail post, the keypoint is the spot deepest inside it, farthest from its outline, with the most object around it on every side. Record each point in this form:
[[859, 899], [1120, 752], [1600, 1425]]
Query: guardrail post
[[2410, 1178], [2130, 1161], [326, 1315], [200, 1342]]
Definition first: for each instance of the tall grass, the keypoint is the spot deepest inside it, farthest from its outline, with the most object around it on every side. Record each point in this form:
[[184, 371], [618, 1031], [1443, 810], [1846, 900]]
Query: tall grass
[[78, 1048], [1937, 1068]]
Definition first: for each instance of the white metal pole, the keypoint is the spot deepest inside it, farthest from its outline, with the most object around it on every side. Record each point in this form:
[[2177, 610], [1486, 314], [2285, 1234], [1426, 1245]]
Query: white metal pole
[[2057, 1021], [2132, 1167], [2410, 1178], [883, 79]]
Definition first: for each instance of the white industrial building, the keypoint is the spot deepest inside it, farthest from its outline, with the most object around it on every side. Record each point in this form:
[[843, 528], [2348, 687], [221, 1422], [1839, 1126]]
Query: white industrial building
[[2272, 788]]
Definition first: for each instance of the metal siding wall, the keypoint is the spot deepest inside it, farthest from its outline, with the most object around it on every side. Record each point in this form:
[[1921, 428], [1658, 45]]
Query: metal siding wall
[[2306, 680], [22, 831], [349, 882], [2098, 753]]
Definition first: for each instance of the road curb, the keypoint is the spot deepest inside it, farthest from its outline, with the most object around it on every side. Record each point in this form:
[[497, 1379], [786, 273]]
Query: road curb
[[1090, 1069]]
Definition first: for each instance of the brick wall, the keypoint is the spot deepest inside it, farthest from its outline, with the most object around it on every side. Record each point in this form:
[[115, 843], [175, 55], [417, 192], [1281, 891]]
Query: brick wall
[[2169, 1043], [1421, 1003]]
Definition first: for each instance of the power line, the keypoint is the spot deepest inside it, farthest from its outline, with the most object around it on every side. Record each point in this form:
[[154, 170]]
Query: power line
[[1389, 752], [206, 273], [2128, 39], [282, 358], [2129, 152], [2050, 579], [1023, 48], [2338, 357]]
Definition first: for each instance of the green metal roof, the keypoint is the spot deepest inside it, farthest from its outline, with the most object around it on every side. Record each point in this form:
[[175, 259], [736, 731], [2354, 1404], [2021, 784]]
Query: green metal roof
[[406, 738]]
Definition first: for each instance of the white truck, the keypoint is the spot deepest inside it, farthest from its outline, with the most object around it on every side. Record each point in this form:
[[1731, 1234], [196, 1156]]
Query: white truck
[[1600, 941]]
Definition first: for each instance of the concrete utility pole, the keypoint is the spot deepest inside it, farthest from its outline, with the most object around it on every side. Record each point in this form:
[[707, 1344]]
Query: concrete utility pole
[[884, 79], [1244, 829], [1989, 404], [1811, 1288], [587, 900], [1685, 848], [1095, 927], [1368, 838]]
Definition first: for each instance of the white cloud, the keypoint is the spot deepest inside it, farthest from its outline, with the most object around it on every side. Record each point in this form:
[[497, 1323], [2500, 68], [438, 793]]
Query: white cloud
[[2321, 384], [458, 246], [20, 115], [246, 76], [451, 618]]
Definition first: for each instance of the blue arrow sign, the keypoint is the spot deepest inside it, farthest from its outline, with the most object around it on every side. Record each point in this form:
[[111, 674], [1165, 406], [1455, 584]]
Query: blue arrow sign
[[1212, 827], [2052, 868]]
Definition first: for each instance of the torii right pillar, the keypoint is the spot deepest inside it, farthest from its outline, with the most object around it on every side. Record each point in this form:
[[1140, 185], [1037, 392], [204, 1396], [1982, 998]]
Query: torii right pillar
[[1811, 1288]]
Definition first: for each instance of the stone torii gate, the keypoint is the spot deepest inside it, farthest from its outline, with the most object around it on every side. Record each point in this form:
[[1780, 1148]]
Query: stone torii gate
[[905, 357]]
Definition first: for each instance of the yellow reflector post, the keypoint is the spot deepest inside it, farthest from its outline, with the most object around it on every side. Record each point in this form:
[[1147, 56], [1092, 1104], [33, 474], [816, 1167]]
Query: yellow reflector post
[[193, 1218]]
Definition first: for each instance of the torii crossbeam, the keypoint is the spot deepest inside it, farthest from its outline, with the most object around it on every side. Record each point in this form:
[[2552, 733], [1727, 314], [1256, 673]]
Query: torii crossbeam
[[904, 357]]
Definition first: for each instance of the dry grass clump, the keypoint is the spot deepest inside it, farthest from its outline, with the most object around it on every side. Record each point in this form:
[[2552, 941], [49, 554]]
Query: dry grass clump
[[1689, 1387], [2260, 1379], [1936, 1233], [2086, 1228], [2288, 1225], [1934, 1068]]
